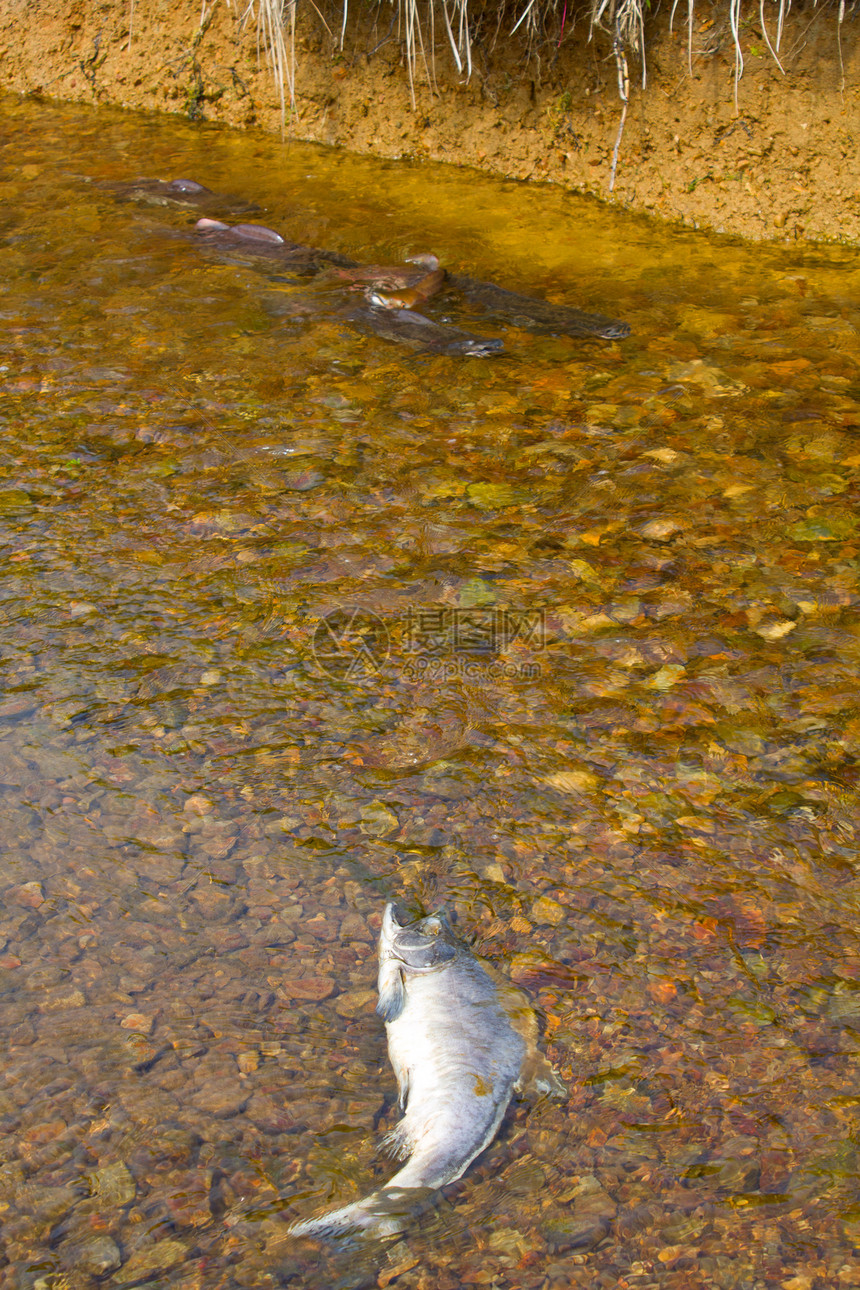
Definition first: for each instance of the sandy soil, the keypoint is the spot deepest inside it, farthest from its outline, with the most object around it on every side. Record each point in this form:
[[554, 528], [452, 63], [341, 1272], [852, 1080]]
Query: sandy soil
[[783, 165]]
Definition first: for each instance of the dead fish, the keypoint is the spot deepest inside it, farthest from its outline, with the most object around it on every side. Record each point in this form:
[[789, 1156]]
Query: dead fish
[[413, 329], [535, 314], [462, 1041]]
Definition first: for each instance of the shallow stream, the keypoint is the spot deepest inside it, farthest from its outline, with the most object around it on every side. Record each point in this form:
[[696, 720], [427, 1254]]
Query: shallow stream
[[296, 620]]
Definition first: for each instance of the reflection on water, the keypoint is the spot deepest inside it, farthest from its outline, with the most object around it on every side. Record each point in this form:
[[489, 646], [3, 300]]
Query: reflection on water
[[599, 698]]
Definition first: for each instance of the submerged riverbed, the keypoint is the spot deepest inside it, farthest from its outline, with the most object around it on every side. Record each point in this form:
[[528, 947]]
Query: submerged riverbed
[[296, 621]]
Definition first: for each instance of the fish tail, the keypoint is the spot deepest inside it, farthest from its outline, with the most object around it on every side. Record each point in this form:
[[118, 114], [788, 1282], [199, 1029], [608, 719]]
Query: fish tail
[[385, 1212], [382, 1213]]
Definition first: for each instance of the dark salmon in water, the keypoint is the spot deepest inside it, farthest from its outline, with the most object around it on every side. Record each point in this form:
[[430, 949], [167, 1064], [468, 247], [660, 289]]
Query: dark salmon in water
[[462, 1041], [181, 193], [423, 334], [535, 314], [407, 297]]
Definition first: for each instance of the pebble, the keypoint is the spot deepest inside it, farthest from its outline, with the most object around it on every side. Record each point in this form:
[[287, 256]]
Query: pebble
[[221, 1098], [113, 1184], [269, 1114], [151, 1260], [354, 928], [51, 1203], [31, 895], [355, 1002], [98, 1256], [574, 781], [310, 988], [660, 530], [389, 1274], [547, 910], [139, 1022], [377, 820]]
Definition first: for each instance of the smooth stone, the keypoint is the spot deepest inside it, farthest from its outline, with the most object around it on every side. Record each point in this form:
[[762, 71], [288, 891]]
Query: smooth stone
[[153, 1258], [113, 1184], [98, 1256], [221, 1098]]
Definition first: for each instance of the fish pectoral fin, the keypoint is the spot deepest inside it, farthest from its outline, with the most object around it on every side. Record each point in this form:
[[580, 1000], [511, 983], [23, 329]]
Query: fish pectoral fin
[[401, 1072], [538, 1079], [392, 992], [398, 1142]]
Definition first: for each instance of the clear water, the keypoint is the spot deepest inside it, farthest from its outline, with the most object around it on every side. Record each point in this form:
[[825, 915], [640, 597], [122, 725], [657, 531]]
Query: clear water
[[296, 621]]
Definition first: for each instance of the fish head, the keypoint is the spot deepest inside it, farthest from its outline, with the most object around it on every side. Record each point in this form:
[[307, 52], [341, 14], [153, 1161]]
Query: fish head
[[473, 346], [411, 949], [614, 331], [189, 186], [421, 946]]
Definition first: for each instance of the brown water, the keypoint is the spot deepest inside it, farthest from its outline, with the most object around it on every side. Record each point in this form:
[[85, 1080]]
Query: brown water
[[590, 681]]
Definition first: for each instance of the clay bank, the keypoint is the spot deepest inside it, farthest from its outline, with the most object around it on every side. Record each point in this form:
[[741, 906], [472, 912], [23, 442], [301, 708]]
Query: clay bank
[[771, 158]]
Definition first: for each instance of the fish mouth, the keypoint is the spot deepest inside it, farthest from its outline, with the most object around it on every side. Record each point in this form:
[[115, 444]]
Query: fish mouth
[[482, 348], [617, 331]]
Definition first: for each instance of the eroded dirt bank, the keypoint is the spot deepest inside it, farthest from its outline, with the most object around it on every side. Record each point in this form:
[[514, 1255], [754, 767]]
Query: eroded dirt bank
[[784, 165]]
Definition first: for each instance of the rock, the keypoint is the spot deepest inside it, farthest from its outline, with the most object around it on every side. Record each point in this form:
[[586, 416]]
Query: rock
[[13, 500], [149, 1260], [139, 1022], [59, 1000], [547, 910], [354, 1002], [377, 820], [198, 804], [216, 840], [29, 894], [211, 900], [322, 928], [221, 1098], [113, 1184], [355, 928], [576, 1233], [661, 530], [98, 1256], [311, 988], [51, 1203], [592, 1212], [268, 1114], [574, 781]]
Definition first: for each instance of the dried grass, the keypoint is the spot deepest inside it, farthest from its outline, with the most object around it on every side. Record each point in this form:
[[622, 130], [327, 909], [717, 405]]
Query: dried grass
[[543, 23]]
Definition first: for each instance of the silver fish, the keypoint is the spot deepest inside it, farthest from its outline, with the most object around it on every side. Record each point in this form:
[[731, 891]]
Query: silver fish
[[462, 1041]]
